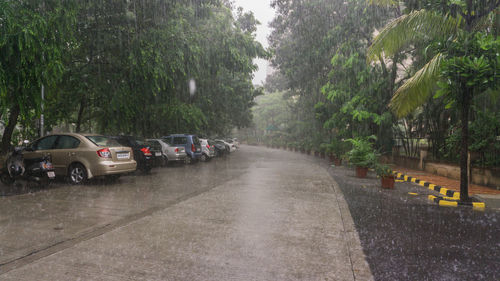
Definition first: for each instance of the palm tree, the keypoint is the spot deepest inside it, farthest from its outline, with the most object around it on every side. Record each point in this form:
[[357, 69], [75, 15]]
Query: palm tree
[[462, 17]]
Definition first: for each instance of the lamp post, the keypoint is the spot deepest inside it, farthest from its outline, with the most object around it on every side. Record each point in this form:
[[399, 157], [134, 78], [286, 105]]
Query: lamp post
[[41, 115]]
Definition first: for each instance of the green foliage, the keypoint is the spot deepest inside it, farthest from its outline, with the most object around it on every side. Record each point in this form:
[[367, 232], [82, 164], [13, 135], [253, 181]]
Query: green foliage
[[335, 147], [473, 63], [125, 66], [483, 131], [383, 170], [362, 153], [416, 90], [422, 23]]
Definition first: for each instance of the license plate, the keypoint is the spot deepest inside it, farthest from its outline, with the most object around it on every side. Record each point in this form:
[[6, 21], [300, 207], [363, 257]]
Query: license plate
[[51, 174], [198, 150], [157, 153], [122, 155]]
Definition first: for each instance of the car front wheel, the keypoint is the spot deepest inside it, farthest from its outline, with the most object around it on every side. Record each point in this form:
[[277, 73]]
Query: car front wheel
[[164, 161], [77, 174], [204, 158]]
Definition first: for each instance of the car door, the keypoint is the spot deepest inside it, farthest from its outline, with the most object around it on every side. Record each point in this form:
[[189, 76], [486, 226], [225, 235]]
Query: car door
[[64, 153], [170, 147], [41, 147]]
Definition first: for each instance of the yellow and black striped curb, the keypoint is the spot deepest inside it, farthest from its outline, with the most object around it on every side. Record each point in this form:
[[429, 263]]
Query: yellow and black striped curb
[[443, 201], [450, 198], [445, 191]]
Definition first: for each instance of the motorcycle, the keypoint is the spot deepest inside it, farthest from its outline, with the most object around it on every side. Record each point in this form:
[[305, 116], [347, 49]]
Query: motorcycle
[[37, 170]]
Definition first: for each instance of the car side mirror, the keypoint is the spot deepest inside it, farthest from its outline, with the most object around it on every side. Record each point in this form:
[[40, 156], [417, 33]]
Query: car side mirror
[[26, 146]]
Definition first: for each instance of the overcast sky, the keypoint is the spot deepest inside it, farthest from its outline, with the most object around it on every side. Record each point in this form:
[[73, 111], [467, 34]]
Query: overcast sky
[[264, 14]]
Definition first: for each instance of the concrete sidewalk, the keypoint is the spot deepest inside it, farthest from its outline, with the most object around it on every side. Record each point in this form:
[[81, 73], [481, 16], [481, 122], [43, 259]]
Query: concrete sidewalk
[[284, 218]]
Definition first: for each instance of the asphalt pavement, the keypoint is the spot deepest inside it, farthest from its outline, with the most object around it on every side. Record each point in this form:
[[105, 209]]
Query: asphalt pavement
[[407, 237]]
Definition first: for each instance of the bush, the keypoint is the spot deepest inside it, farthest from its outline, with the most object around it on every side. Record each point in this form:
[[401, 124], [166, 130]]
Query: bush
[[362, 153]]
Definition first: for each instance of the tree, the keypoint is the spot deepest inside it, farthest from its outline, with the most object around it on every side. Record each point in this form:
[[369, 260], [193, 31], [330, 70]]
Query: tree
[[457, 23], [33, 38], [130, 70]]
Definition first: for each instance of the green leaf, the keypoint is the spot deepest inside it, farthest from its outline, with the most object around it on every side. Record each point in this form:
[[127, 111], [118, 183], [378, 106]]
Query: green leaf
[[415, 91]]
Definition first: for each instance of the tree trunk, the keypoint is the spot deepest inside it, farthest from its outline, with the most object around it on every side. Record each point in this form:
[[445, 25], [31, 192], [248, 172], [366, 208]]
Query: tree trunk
[[9, 129], [464, 145], [80, 115]]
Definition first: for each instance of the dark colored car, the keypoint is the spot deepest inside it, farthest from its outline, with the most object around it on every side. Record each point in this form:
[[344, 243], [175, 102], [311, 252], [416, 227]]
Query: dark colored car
[[142, 152], [190, 142], [156, 151]]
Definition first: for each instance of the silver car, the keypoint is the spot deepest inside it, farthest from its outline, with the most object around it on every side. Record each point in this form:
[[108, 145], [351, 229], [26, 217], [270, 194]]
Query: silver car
[[172, 153], [207, 150]]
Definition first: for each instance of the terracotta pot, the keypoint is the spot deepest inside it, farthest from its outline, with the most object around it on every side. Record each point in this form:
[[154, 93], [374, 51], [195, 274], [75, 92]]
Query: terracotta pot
[[361, 172], [387, 182], [331, 157], [337, 161]]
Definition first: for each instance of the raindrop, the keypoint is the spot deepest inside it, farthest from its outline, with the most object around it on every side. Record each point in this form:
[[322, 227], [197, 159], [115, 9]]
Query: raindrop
[[192, 87]]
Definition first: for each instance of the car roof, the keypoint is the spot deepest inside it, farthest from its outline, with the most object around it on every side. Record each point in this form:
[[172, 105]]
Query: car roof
[[74, 134]]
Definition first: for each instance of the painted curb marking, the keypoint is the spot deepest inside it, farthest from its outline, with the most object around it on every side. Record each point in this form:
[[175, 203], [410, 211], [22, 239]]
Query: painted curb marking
[[440, 189], [450, 198], [442, 201]]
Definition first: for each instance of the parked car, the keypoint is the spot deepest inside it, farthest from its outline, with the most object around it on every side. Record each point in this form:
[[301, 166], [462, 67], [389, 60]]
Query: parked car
[[207, 149], [80, 157], [229, 146], [220, 148], [232, 143], [236, 142], [191, 145], [141, 149], [157, 153], [172, 153]]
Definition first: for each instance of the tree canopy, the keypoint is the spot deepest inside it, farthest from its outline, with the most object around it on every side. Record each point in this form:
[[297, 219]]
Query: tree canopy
[[125, 67]]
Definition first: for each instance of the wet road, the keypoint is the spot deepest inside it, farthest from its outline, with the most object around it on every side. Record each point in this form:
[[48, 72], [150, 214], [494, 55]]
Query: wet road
[[258, 214], [407, 237]]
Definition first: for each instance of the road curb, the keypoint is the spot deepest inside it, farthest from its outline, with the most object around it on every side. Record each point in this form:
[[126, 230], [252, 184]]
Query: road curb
[[442, 201], [359, 263], [450, 198]]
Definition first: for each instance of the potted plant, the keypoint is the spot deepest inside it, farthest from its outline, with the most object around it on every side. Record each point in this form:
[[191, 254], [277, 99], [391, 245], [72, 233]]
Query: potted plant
[[329, 151], [302, 149], [362, 155], [308, 147], [322, 149], [338, 148], [386, 175]]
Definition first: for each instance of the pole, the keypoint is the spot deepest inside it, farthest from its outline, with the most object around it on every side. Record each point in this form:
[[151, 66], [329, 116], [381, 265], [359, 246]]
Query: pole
[[41, 115]]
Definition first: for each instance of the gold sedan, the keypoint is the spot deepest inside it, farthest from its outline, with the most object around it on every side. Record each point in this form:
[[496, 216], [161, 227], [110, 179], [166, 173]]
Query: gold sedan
[[80, 157]]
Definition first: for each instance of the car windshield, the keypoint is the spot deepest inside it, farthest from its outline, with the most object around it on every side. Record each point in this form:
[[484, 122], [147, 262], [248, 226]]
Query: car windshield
[[154, 144], [141, 142], [180, 140], [103, 141]]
